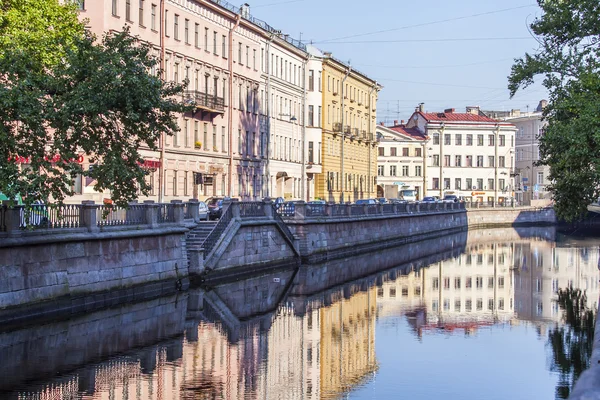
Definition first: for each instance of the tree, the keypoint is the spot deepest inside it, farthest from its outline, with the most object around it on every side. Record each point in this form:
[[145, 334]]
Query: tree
[[97, 98], [568, 57]]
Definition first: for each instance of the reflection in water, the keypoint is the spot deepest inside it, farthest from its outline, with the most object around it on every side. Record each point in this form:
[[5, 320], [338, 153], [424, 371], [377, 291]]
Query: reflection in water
[[275, 337]]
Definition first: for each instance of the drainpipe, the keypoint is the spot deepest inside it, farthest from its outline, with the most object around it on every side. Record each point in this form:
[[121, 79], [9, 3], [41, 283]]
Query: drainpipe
[[371, 132], [344, 181], [268, 95], [230, 122], [303, 180], [496, 165], [442, 160], [424, 192], [161, 167]]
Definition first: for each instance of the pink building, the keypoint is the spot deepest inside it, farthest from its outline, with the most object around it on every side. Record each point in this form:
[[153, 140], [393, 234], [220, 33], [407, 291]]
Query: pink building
[[219, 149]]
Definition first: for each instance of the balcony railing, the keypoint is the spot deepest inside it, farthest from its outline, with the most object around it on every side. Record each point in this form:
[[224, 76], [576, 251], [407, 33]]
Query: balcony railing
[[347, 129], [354, 132], [337, 127], [204, 101]]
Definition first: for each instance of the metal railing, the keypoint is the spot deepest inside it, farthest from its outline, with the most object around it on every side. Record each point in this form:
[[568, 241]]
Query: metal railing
[[166, 213], [252, 209], [214, 235], [286, 209], [187, 211], [107, 215], [2, 218], [282, 225], [50, 216], [337, 126], [204, 100]]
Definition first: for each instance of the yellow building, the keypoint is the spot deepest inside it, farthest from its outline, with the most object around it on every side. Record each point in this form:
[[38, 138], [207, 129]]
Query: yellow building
[[349, 150]]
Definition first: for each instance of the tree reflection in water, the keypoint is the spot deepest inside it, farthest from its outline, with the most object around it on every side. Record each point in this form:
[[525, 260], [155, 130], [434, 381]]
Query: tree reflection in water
[[573, 341]]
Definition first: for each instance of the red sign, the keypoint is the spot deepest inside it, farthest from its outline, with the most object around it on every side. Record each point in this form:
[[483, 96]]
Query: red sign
[[53, 159], [151, 164]]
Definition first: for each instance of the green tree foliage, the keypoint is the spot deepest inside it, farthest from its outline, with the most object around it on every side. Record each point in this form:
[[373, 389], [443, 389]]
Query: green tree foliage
[[568, 58], [572, 342], [99, 99]]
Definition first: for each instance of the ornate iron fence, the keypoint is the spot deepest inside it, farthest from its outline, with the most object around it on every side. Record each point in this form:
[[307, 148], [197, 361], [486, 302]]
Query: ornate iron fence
[[282, 225], [286, 209], [107, 215], [166, 213], [315, 210], [51, 216], [252, 209]]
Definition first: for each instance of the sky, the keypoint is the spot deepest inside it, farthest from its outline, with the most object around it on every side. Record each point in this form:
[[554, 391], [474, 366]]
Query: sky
[[443, 53]]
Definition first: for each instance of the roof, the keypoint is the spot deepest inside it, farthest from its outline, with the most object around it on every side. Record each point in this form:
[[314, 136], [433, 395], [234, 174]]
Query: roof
[[412, 132], [459, 118]]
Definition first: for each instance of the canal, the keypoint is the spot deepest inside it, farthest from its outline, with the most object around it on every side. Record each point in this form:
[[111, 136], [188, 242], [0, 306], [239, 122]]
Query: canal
[[483, 318]]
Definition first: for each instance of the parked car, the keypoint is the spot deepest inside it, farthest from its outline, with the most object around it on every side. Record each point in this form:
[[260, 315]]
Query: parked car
[[382, 200], [428, 199], [451, 198], [202, 211], [397, 201], [215, 208], [366, 201]]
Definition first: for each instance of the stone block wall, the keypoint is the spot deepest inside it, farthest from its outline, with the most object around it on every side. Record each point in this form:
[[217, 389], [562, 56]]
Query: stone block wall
[[89, 264], [255, 245], [483, 218]]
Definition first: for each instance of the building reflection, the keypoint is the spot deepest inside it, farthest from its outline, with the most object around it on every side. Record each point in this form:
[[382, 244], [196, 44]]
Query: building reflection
[[323, 345]]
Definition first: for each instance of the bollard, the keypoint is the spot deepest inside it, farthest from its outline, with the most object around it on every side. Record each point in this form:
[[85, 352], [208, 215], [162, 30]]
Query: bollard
[[151, 214], [269, 209], [178, 211], [89, 215], [194, 209]]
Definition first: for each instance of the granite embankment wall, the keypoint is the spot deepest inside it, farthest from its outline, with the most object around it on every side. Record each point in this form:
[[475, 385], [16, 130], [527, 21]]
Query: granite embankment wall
[[520, 216]]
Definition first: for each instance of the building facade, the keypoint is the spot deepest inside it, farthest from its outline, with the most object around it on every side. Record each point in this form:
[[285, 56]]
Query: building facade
[[235, 136], [349, 145], [400, 159], [468, 154]]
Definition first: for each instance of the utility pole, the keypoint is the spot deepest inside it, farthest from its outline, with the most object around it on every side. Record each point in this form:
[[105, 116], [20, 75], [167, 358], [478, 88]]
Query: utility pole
[[161, 167]]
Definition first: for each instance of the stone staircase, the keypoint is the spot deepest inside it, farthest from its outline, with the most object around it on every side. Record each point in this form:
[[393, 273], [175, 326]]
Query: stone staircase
[[198, 235]]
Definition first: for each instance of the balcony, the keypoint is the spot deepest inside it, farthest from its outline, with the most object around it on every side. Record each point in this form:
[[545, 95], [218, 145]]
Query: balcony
[[354, 133], [337, 127], [347, 129], [204, 101]]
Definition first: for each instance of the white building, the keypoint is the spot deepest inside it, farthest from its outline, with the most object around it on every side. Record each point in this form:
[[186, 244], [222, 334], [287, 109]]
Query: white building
[[400, 159], [471, 154]]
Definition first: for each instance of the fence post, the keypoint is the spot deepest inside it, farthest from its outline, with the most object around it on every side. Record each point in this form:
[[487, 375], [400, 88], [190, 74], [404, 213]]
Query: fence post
[[13, 220], [268, 205], [348, 209], [151, 213], [300, 210], [178, 211], [194, 209], [328, 210], [235, 208], [418, 207], [88, 216]]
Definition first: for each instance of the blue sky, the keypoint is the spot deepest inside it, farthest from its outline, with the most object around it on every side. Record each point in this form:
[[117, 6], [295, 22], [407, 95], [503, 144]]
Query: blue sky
[[425, 63]]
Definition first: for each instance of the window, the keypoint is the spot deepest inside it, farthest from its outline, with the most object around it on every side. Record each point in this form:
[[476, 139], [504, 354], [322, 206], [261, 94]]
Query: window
[[393, 151], [196, 35], [457, 305], [215, 43], [174, 183], [435, 283], [254, 58], [418, 152], [436, 183], [501, 184], [479, 304], [447, 139], [491, 140], [436, 160], [457, 183], [311, 116], [446, 161], [468, 283], [458, 161], [223, 140], [501, 140], [248, 56], [456, 283], [311, 151], [311, 80], [405, 151], [205, 137], [446, 183], [490, 184], [491, 304], [319, 117], [381, 151], [436, 138], [469, 140], [491, 162], [468, 305], [140, 13], [214, 138], [480, 161], [458, 139], [115, 8], [393, 170], [468, 161], [468, 183], [166, 25], [224, 46], [153, 17], [540, 178], [81, 4], [479, 282], [479, 184], [418, 170], [186, 31], [501, 161], [186, 133], [128, 10], [500, 282], [206, 39], [380, 170], [240, 53], [446, 283], [404, 170], [479, 140]]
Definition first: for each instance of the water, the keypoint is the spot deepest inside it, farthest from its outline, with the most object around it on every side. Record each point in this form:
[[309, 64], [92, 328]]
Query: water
[[480, 319]]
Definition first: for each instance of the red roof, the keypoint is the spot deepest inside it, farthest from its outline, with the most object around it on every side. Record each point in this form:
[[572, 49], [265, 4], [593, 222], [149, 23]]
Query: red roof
[[459, 117], [411, 132]]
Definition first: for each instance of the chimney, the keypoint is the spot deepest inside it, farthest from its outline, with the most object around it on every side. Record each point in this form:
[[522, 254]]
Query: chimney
[[245, 10], [382, 123], [473, 110], [421, 107], [515, 113], [395, 122], [402, 122], [449, 110], [542, 105]]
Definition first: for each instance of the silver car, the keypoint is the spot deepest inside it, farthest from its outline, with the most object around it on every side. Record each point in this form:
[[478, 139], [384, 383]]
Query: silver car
[[202, 211]]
